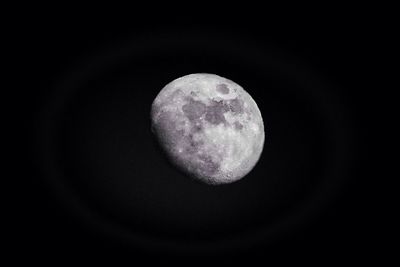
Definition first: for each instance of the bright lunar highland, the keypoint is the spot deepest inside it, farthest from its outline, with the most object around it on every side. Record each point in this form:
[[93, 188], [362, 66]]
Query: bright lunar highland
[[209, 127]]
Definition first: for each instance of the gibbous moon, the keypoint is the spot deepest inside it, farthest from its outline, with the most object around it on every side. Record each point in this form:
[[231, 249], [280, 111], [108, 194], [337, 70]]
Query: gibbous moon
[[209, 127]]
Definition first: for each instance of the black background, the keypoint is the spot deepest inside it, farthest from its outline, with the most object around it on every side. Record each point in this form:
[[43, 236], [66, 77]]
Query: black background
[[96, 182]]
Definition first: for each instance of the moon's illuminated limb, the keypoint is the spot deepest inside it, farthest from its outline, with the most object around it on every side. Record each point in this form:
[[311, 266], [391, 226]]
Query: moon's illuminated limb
[[209, 126]]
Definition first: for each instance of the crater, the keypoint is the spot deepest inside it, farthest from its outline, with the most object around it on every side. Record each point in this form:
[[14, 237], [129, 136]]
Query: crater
[[207, 165], [222, 88], [238, 125]]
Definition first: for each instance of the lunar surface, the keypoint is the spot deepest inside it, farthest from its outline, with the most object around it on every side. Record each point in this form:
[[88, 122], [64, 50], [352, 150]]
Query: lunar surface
[[209, 127]]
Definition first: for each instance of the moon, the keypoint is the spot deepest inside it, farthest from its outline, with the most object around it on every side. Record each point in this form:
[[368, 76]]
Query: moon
[[209, 127]]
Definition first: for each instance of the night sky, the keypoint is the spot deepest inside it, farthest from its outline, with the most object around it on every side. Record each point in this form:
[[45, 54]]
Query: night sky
[[96, 181]]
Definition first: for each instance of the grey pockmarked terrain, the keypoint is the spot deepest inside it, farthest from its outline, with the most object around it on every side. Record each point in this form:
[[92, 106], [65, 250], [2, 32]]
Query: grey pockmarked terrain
[[209, 127]]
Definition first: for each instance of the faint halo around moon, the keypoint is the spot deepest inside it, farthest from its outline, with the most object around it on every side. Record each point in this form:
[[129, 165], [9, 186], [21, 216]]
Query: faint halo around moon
[[209, 127]]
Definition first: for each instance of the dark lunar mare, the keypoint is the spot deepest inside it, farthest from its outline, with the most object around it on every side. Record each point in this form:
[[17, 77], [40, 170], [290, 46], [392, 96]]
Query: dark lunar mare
[[236, 105], [222, 88], [215, 112], [192, 146], [193, 110]]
